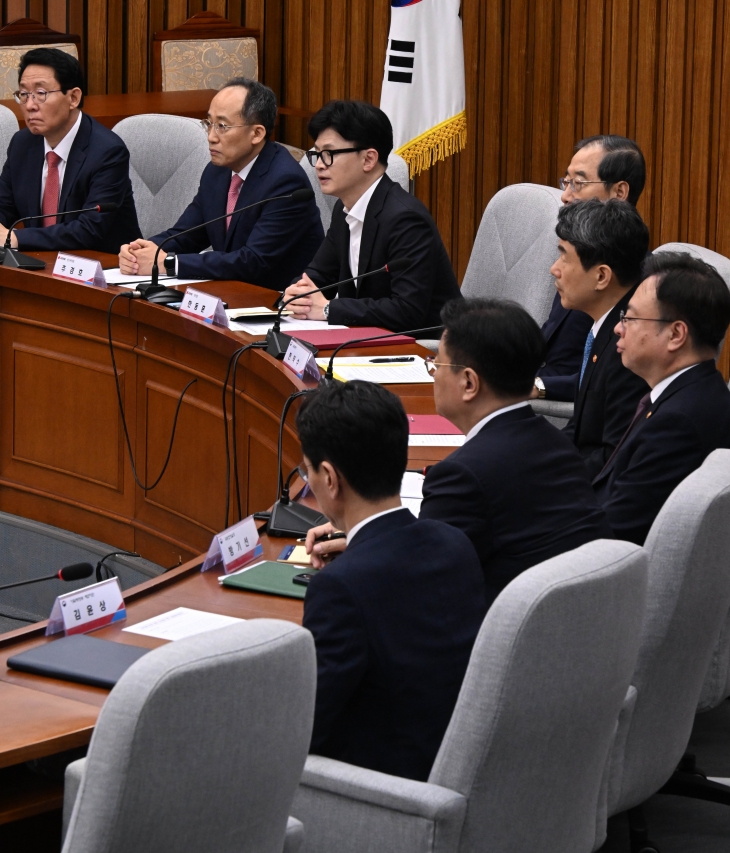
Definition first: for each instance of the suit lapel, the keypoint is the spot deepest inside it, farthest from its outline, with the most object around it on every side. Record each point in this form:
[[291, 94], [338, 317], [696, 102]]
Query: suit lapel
[[76, 158], [35, 172], [250, 191], [370, 225]]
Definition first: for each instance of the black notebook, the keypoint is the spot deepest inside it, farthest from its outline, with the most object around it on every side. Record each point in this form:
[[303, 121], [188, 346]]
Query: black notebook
[[79, 658]]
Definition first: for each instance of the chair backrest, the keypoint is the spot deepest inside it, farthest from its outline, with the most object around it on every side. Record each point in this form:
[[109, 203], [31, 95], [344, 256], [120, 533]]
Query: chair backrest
[[205, 52], [167, 155], [720, 262], [8, 129], [22, 35], [528, 742], [515, 247], [687, 601], [201, 745], [397, 171]]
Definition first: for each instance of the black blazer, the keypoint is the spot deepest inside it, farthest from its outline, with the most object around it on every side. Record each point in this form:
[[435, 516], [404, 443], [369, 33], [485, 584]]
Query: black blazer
[[565, 334], [267, 245], [397, 225], [607, 398], [97, 171], [394, 619], [690, 419], [519, 491]]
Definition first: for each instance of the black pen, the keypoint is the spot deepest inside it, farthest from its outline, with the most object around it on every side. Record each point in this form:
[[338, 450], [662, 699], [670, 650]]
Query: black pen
[[328, 537], [400, 359]]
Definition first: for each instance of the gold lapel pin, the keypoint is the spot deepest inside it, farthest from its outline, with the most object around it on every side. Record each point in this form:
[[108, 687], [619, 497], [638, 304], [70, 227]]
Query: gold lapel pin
[[648, 414], [595, 359]]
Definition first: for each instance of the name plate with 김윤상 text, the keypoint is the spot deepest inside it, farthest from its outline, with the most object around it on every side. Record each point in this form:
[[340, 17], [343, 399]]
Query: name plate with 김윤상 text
[[301, 360], [205, 307], [84, 270], [234, 547], [87, 609]]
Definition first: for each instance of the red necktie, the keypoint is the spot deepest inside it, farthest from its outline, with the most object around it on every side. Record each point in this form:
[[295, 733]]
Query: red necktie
[[50, 191], [233, 193]]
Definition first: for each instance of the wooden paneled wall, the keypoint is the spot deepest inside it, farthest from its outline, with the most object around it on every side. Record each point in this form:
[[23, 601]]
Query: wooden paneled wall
[[541, 74]]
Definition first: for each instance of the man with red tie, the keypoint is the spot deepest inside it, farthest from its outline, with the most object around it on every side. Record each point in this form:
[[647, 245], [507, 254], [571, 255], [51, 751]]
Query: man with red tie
[[63, 160], [269, 244]]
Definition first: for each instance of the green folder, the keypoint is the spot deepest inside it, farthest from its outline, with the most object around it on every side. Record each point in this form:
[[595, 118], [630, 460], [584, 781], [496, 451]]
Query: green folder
[[269, 577]]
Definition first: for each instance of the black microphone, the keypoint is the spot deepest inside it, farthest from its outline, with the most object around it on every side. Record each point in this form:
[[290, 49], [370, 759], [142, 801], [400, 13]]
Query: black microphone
[[74, 572], [277, 343], [298, 195], [329, 375]]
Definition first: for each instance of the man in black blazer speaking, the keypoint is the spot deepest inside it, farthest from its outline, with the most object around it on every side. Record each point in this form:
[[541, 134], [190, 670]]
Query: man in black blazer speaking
[[394, 617], [669, 335], [266, 245], [63, 160], [375, 221]]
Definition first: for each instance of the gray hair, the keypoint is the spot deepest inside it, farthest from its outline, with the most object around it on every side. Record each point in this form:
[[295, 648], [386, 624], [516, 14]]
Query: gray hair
[[259, 105]]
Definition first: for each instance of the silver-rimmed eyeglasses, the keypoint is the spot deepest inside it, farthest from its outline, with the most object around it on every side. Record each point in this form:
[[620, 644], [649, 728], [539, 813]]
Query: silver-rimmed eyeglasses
[[432, 366], [218, 126], [39, 96], [575, 184]]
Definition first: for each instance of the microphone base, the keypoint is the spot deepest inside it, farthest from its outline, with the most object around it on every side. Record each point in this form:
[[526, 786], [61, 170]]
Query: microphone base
[[293, 519], [277, 343], [14, 258]]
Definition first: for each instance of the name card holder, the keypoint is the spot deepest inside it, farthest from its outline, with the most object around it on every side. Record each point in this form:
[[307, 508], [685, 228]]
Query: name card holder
[[84, 270], [204, 307], [234, 547], [87, 609], [301, 361]]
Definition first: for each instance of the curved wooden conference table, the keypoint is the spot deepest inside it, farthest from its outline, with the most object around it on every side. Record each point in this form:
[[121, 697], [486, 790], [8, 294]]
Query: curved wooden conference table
[[63, 461]]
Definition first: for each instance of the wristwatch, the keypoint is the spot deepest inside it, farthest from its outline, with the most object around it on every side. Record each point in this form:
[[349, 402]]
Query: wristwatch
[[326, 311], [170, 264], [540, 385]]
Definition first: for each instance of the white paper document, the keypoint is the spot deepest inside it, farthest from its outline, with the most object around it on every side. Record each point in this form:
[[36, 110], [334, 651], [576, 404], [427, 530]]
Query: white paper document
[[261, 327], [396, 373], [180, 623], [411, 491], [436, 440], [115, 276]]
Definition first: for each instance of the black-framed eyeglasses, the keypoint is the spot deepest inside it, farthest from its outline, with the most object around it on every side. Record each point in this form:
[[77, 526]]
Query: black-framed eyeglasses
[[623, 319], [39, 96], [575, 184], [219, 127], [327, 156]]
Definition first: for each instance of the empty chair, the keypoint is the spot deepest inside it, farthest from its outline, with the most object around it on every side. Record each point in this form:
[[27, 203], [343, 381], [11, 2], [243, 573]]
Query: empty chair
[[397, 171], [199, 747], [167, 155], [8, 128], [523, 761]]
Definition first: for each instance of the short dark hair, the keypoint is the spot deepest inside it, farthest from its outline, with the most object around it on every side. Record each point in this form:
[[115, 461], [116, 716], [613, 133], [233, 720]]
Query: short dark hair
[[259, 102], [498, 339], [622, 161], [361, 123], [66, 68], [691, 290], [606, 232], [361, 429]]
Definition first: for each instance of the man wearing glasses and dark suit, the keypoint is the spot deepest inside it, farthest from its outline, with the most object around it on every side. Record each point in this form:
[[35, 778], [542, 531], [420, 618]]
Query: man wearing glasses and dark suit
[[267, 245]]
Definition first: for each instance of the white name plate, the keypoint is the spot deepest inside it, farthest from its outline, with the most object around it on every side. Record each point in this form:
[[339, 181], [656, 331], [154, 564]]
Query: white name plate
[[300, 360], [84, 270], [234, 547], [205, 307], [87, 609]]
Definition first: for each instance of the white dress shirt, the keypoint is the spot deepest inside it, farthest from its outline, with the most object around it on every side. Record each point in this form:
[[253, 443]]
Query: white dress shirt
[[355, 218], [475, 429], [599, 322], [367, 520], [63, 149], [660, 387]]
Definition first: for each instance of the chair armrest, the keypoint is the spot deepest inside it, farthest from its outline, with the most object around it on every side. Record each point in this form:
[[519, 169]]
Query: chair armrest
[[552, 408], [294, 837], [71, 784]]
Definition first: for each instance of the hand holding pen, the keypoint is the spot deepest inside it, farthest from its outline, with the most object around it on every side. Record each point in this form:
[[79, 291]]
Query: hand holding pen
[[323, 543]]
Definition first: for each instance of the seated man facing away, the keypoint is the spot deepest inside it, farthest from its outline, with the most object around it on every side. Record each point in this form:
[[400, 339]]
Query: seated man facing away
[[63, 160], [669, 335], [374, 222], [267, 245], [602, 245], [517, 487], [602, 167], [395, 617]]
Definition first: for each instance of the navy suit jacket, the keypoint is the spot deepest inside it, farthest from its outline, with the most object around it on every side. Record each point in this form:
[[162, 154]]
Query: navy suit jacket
[[268, 245], [519, 491], [565, 334], [97, 171], [606, 399], [396, 225], [689, 420], [394, 619]]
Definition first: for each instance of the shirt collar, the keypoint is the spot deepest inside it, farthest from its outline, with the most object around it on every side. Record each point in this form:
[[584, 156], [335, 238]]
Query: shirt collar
[[359, 209], [243, 174], [358, 527], [63, 149], [599, 322], [662, 386], [475, 429]]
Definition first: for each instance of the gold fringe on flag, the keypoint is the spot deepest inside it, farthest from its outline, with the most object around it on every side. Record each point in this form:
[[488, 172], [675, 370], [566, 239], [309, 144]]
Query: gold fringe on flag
[[438, 143]]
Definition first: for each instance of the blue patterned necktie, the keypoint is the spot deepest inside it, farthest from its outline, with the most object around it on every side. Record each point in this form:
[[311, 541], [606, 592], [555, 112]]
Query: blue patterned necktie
[[586, 354]]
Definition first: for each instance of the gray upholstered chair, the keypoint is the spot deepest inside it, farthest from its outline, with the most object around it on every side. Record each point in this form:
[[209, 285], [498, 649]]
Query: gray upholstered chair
[[8, 128], [397, 171], [199, 747], [167, 157], [687, 601], [720, 262], [522, 765]]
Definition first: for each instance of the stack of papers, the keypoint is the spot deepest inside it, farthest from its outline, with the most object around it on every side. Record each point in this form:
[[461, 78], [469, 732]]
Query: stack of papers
[[115, 276], [393, 373], [411, 491], [262, 326], [180, 623]]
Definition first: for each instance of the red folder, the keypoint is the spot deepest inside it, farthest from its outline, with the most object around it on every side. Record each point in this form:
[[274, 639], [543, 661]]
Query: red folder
[[332, 338], [431, 425]]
